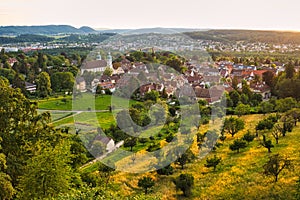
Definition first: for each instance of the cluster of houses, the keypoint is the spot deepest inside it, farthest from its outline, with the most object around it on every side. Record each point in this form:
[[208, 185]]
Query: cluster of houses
[[207, 82]]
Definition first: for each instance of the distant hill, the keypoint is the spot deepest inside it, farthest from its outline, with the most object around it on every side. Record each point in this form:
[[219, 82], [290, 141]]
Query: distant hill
[[44, 30], [150, 30], [272, 37]]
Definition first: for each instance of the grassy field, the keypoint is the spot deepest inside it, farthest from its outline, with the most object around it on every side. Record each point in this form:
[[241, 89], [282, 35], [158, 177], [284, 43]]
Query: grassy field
[[95, 119], [87, 101], [239, 176]]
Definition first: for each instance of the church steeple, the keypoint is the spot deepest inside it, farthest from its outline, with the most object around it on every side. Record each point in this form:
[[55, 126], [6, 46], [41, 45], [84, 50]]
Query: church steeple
[[98, 56], [109, 60]]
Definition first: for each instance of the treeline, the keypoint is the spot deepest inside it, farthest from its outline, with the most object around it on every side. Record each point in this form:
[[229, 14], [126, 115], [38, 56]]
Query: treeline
[[32, 38], [25, 38]]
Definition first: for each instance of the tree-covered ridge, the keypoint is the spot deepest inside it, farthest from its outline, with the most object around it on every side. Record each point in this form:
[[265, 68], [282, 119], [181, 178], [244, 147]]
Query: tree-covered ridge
[[35, 38], [45, 30], [252, 36]]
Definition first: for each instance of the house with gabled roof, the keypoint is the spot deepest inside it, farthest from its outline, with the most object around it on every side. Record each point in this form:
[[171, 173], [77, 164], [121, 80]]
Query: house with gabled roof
[[94, 66], [109, 143]]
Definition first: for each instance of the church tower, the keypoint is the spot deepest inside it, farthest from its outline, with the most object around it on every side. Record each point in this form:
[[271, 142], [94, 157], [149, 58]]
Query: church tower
[[98, 56], [109, 60]]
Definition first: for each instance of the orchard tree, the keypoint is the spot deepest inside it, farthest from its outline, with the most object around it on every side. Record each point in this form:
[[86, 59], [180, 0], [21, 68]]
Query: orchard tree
[[167, 170], [267, 143], [276, 132], [265, 124], [233, 125], [213, 162], [184, 182], [295, 114], [130, 142], [146, 183], [248, 137], [185, 158], [237, 145], [276, 164]]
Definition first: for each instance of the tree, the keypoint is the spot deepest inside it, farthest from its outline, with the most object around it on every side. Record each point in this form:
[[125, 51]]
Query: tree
[[19, 82], [265, 124], [276, 164], [267, 144], [78, 152], [184, 182], [266, 107], [268, 78], [248, 137], [62, 81], [6, 188], [130, 142], [295, 114], [43, 84], [235, 97], [108, 71], [289, 71], [283, 105], [186, 157], [152, 95], [288, 124], [235, 83], [21, 127], [106, 171], [237, 145], [242, 109], [298, 190], [276, 132], [233, 125], [146, 183], [212, 162], [48, 173], [167, 170]]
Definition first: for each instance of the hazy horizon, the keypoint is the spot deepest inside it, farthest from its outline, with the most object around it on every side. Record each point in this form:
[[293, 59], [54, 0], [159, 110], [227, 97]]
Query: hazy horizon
[[132, 14]]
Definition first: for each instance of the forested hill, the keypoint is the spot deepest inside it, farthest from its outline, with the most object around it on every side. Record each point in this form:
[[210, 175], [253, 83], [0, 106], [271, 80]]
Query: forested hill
[[272, 37], [46, 30]]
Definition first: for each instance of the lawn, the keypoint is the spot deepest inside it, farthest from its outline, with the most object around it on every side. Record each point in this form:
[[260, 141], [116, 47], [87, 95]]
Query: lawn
[[84, 103], [94, 119]]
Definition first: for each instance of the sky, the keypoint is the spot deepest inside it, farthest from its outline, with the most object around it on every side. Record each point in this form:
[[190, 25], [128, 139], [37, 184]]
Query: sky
[[226, 14]]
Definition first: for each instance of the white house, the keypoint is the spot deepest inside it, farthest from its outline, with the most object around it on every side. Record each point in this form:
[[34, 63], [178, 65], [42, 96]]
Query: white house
[[106, 141]]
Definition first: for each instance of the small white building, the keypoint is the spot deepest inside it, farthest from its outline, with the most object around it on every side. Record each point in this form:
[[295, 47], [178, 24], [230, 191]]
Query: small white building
[[109, 143]]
